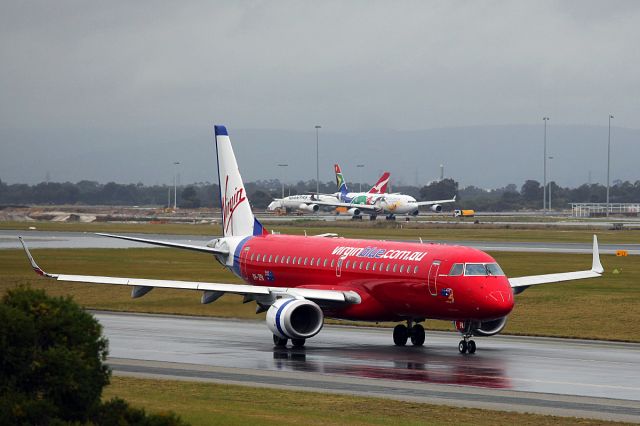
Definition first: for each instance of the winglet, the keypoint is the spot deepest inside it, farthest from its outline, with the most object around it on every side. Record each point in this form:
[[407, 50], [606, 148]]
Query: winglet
[[34, 265], [596, 266]]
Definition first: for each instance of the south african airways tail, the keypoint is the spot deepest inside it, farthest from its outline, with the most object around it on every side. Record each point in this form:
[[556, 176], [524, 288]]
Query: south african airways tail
[[379, 188]]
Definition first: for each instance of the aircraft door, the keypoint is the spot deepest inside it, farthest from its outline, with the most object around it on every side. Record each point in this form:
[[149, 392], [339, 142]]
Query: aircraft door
[[244, 256], [433, 278], [339, 266]]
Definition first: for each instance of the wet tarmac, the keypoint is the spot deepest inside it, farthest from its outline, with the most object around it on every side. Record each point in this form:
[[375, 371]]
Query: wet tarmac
[[48, 239], [596, 379]]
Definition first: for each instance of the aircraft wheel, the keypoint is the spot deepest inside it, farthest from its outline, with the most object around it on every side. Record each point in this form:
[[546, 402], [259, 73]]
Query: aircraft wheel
[[372, 217], [400, 335], [417, 335], [471, 347], [279, 341], [462, 347], [298, 343]]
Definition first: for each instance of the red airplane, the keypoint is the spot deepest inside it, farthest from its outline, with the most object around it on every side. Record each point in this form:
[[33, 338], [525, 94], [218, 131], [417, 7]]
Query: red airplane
[[299, 280]]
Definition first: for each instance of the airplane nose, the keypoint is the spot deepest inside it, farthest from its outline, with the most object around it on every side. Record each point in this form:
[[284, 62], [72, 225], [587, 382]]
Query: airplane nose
[[501, 302]]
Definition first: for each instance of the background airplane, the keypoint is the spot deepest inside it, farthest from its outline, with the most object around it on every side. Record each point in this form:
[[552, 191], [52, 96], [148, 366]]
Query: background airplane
[[374, 203], [311, 202], [298, 280]]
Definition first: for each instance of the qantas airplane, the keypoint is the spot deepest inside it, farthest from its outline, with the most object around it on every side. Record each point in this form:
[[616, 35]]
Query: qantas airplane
[[378, 202], [300, 280], [311, 202]]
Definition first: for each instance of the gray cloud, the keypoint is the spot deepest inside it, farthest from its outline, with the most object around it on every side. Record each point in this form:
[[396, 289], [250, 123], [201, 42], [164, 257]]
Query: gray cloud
[[135, 68]]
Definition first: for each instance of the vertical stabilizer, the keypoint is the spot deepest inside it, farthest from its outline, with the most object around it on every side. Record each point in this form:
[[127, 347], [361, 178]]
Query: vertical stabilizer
[[237, 217], [340, 183], [381, 186]]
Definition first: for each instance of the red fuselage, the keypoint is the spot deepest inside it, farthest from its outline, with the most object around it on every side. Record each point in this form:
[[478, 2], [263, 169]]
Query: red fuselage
[[395, 280]]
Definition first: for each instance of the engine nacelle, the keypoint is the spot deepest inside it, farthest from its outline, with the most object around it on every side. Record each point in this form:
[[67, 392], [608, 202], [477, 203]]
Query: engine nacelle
[[415, 212], [354, 211], [482, 328], [309, 207], [295, 318], [436, 208]]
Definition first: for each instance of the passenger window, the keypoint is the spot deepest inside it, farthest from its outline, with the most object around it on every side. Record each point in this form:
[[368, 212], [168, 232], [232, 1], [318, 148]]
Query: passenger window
[[415, 269], [325, 263], [395, 267], [288, 259], [367, 268], [252, 257], [311, 264], [401, 268], [373, 268], [305, 260], [277, 258], [388, 266], [270, 258], [361, 264], [333, 262], [318, 261], [456, 270], [346, 265]]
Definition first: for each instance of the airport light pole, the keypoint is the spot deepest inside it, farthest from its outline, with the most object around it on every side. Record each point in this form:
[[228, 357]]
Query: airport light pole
[[175, 185], [283, 172], [544, 167], [317, 162], [360, 166], [608, 163], [550, 158]]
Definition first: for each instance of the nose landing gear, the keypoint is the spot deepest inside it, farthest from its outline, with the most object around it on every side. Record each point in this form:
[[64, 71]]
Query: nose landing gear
[[467, 345]]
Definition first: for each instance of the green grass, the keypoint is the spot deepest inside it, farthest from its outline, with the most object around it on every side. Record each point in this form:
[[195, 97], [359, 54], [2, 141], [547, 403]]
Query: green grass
[[218, 404], [600, 308], [380, 230]]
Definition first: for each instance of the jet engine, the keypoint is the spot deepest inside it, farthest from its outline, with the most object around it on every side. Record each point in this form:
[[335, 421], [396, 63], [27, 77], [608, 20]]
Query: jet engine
[[354, 211], [482, 328], [436, 208], [309, 207], [295, 318]]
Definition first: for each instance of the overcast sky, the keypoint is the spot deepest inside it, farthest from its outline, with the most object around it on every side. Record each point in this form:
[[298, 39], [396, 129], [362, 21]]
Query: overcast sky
[[122, 67]]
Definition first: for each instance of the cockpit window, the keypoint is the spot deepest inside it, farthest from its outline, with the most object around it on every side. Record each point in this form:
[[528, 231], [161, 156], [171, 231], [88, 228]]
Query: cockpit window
[[482, 269], [456, 269], [494, 269]]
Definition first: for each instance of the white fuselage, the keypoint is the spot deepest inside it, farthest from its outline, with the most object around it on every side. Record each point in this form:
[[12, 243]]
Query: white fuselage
[[386, 203], [300, 202]]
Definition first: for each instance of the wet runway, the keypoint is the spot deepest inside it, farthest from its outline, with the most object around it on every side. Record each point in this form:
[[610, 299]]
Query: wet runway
[[47, 239], [553, 376]]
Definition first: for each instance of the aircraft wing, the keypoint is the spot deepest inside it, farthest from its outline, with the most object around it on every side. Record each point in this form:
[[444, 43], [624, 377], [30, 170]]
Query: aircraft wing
[[432, 202], [522, 283], [212, 291], [204, 249]]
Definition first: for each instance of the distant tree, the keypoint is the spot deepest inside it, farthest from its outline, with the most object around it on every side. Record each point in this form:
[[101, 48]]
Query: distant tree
[[445, 188], [189, 198], [531, 191]]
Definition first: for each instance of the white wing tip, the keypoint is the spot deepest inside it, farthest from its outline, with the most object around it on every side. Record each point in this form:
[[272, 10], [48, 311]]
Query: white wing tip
[[596, 265]]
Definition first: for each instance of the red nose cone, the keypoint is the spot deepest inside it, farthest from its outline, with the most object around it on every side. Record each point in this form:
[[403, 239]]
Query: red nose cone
[[500, 302]]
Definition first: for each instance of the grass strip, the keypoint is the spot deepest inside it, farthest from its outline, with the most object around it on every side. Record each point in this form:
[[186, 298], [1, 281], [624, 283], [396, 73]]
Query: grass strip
[[219, 404]]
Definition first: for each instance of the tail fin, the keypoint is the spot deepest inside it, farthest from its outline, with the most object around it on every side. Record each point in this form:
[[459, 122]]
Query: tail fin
[[237, 217], [340, 183], [381, 186]]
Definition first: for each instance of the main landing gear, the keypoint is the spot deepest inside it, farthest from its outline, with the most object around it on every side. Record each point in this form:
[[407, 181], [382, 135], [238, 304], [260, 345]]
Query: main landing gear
[[390, 217], [467, 345], [281, 342], [402, 333]]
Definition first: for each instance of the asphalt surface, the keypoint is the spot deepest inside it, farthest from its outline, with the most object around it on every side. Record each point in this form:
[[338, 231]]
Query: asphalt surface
[[47, 239], [551, 376]]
